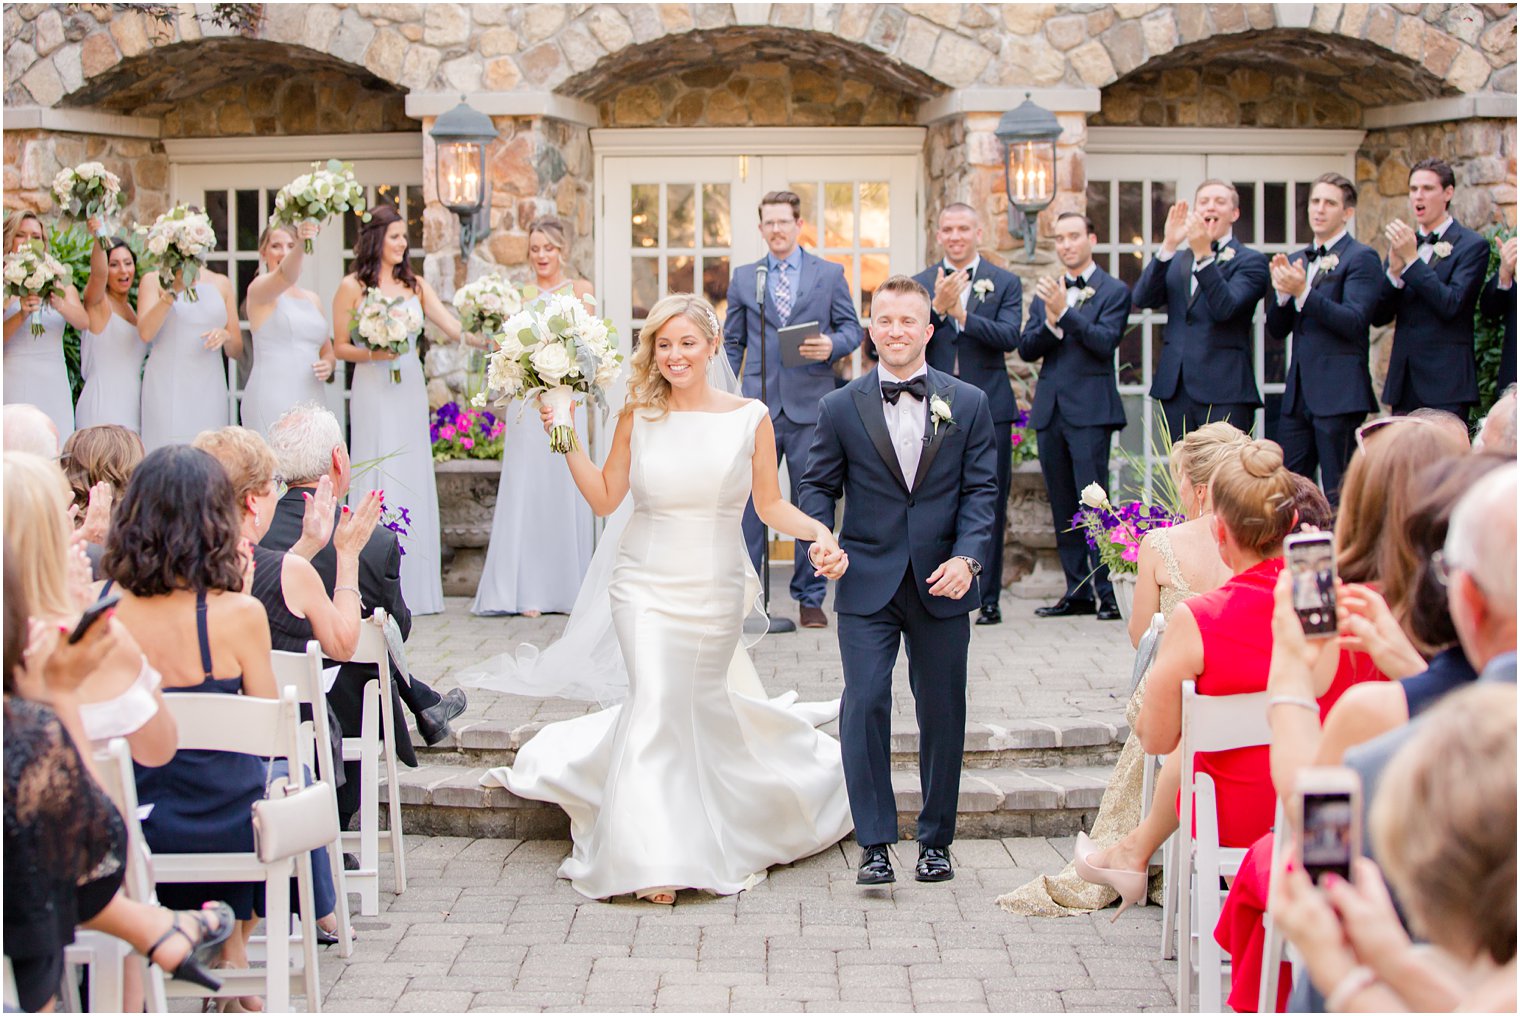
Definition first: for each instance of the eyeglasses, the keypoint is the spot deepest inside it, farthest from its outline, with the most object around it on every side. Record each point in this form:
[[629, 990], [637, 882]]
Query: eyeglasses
[[777, 225], [280, 486], [1373, 426]]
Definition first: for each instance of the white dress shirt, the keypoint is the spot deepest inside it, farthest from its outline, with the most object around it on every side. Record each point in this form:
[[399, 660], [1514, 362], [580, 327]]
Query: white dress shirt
[[905, 422], [1423, 251], [1311, 269]]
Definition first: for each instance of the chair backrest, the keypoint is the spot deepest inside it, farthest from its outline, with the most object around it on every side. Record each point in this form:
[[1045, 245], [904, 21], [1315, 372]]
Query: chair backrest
[[237, 723], [1222, 722], [1145, 652], [371, 648], [299, 671], [113, 764]]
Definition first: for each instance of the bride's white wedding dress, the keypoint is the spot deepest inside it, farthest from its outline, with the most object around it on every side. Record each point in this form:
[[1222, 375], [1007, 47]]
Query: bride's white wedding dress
[[696, 780]]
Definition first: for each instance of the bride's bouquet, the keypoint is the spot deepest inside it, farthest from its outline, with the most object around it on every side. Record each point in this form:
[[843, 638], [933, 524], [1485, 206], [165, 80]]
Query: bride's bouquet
[[485, 304], [88, 190], [32, 271], [177, 243], [315, 196], [386, 325], [554, 350]]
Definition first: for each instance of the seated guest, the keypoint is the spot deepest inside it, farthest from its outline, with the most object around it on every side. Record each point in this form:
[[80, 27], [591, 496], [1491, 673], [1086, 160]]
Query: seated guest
[[1497, 431], [308, 446], [1443, 828], [65, 842], [29, 429], [1443, 418], [96, 456], [177, 557], [120, 697], [1312, 507]]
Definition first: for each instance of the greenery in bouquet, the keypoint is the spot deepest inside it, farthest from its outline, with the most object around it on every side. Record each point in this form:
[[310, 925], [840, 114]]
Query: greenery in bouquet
[[554, 351], [485, 304], [329, 189], [386, 325], [462, 432], [1115, 532], [31, 271], [176, 244], [1024, 447], [88, 190]]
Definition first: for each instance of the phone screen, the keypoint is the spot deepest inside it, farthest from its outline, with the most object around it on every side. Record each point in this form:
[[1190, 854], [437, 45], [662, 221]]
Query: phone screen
[[1329, 834], [1311, 562]]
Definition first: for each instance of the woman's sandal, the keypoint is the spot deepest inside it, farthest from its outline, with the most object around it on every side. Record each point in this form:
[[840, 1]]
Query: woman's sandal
[[204, 950]]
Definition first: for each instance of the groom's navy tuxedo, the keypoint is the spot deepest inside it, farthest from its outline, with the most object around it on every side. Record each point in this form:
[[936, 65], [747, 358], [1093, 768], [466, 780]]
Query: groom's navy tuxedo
[[897, 530]]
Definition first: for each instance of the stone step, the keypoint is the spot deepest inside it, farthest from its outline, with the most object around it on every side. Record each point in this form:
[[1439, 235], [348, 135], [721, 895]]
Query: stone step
[[1056, 742], [448, 800]]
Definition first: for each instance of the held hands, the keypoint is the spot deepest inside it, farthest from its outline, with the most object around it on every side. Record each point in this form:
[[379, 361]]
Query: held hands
[[355, 527], [827, 558], [1176, 230], [1288, 278], [951, 579], [1053, 294], [947, 293], [1402, 249]]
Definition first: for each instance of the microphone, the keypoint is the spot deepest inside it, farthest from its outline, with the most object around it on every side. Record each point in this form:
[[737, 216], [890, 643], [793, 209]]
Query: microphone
[[761, 271]]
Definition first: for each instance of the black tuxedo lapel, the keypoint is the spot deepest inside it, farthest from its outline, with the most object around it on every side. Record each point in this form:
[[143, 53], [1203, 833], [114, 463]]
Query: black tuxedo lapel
[[1188, 278], [868, 403], [936, 434]]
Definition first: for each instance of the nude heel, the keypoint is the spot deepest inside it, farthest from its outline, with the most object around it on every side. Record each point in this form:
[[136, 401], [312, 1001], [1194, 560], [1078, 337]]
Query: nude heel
[[1130, 885]]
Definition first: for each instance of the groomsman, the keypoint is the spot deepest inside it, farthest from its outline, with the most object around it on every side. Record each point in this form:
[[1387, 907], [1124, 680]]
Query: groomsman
[[1498, 302], [798, 287], [977, 310], [1430, 291], [1325, 295], [1209, 286], [1075, 324]]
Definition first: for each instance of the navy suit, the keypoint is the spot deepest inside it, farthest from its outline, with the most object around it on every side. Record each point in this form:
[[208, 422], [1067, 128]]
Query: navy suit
[[1076, 410], [1434, 363], [991, 333], [1206, 370], [896, 534], [1500, 303], [820, 294], [1329, 387]]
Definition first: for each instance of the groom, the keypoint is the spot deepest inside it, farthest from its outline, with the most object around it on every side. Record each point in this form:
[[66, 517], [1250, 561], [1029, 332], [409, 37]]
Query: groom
[[911, 451]]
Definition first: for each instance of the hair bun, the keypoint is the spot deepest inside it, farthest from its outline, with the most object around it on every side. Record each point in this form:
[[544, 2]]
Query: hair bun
[[1261, 458]]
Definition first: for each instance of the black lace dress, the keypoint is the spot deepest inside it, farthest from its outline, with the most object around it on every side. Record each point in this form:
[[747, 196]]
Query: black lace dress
[[65, 847]]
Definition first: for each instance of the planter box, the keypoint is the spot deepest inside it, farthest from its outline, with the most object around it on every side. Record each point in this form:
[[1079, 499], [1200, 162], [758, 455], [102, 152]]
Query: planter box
[[466, 505]]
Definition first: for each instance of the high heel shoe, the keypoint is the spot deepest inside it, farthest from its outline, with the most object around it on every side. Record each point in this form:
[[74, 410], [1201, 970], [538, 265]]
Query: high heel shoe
[[1130, 885], [206, 949]]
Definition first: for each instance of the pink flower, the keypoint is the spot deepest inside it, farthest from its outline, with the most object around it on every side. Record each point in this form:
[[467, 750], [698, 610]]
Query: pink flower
[[467, 442], [497, 429], [1018, 439], [447, 432], [1131, 553]]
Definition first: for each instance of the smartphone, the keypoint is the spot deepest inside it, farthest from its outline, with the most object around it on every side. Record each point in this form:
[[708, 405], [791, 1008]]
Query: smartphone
[[1311, 563], [1330, 816], [97, 610]]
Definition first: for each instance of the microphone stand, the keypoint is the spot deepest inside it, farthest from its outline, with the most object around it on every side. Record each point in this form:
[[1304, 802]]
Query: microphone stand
[[775, 624]]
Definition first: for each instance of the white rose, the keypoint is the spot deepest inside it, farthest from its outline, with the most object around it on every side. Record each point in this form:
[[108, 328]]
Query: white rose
[[551, 361], [1094, 496], [36, 280], [158, 244], [323, 189], [15, 271]]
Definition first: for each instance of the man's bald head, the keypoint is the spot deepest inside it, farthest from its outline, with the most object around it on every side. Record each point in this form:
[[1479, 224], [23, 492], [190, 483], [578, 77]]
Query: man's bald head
[[29, 429]]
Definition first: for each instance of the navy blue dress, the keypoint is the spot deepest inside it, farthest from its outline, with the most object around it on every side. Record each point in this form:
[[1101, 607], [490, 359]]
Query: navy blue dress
[[1448, 671], [202, 804]]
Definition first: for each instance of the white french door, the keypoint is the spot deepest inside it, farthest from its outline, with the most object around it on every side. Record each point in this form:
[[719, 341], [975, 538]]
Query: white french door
[[1134, 176], [236, 189]]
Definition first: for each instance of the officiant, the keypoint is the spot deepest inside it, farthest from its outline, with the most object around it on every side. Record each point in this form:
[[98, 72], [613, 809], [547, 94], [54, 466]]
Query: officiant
[[796, 288]]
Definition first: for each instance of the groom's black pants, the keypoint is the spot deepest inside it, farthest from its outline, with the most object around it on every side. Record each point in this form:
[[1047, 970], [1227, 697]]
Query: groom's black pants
[[937, 674]]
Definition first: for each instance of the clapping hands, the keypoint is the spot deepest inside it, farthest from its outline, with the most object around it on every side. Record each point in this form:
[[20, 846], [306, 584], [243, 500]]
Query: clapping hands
[[1289, 278], [1402, 245], [356, 525], [1053, 295], [948, 290]]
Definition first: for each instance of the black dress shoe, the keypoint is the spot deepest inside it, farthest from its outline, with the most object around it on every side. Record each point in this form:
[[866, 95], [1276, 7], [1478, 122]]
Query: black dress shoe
[[433, 722], [990, 615], [1066, 607], [875, 867], [1109, 612], [933, 864]]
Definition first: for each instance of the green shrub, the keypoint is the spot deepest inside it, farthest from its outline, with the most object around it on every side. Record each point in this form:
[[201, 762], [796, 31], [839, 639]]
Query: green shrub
[[1488, 333]]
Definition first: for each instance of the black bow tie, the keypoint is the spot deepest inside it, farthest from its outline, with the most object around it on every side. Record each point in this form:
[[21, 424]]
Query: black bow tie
[[917, 387], [1315, 253], [1425, 239], [1216, 246], [1076, 283]]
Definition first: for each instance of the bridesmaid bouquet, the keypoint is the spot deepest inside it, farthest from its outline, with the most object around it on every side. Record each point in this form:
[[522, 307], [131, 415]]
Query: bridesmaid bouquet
[[89, 189], [177, 243], [554, 350], [485, 304], [1115, 533], [32, 271], [386, 325], [318, 195]]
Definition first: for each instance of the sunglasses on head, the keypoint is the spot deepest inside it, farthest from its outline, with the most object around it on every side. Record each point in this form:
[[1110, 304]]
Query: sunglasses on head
[[1371, 427]]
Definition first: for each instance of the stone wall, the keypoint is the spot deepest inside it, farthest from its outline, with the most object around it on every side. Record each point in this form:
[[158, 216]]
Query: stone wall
[[33, 158], [323, 102], [1222, 96], [1482, 152], [757, 94]]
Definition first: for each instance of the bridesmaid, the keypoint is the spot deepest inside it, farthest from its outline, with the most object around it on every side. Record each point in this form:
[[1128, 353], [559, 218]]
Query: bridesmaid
[[184, 386], [292, 351], [541, 533], [388, 421], [110, 353], [34, 367]]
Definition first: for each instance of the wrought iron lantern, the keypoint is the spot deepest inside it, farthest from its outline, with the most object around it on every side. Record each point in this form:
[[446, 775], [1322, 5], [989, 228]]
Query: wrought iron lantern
[[1028, 134], [460, 137]]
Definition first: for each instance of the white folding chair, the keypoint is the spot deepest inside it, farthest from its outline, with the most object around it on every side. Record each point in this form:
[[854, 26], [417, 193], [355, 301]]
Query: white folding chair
[[376, 742], [1210, 723], [1145, 656], [1273, 947], [303, 673], [265, 728], [104, 956]]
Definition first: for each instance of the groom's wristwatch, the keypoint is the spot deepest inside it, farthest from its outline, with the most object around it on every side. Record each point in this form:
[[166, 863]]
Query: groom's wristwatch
[[972, 563]]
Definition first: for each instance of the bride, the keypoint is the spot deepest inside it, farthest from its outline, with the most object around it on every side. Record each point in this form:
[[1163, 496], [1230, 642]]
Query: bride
[[695, 780]]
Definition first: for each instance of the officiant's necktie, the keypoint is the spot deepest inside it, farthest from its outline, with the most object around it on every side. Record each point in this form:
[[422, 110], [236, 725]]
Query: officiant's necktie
[[783, 294]]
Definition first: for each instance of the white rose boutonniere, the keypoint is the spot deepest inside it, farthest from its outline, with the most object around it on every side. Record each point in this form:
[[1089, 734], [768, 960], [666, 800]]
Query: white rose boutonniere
[[982, 288], [1084, 294], [1225, 254], [1327, 264], [939, 411], [1442, 249], [1094, 496]]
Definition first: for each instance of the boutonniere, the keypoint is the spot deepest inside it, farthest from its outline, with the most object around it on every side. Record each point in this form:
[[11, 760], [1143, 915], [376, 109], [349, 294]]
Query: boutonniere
[[1327, 264], [982, 288], [1225, 254], [1442, 249], [939, 412], [1084, 294]]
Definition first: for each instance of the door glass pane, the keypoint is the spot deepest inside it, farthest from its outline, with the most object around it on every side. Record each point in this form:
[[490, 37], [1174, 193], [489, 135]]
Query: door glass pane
[[681, 274], [716, 230], [715, 273], [808, 192], [248, 225], [1274, 200], [216, 208], [1302, 232], [838, 214], [413, 211], [874, 270], [875, 216], [1245, 226], [646, 286], [680, 217], [646, 215], [1131, 351], [1163, 197], [1274, 359], [1098, 206], [247, 271], [1131, 199], [1129, 268]]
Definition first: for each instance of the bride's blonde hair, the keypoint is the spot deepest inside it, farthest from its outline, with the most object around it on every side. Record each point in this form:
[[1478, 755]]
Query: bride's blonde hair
[[647, 387]]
